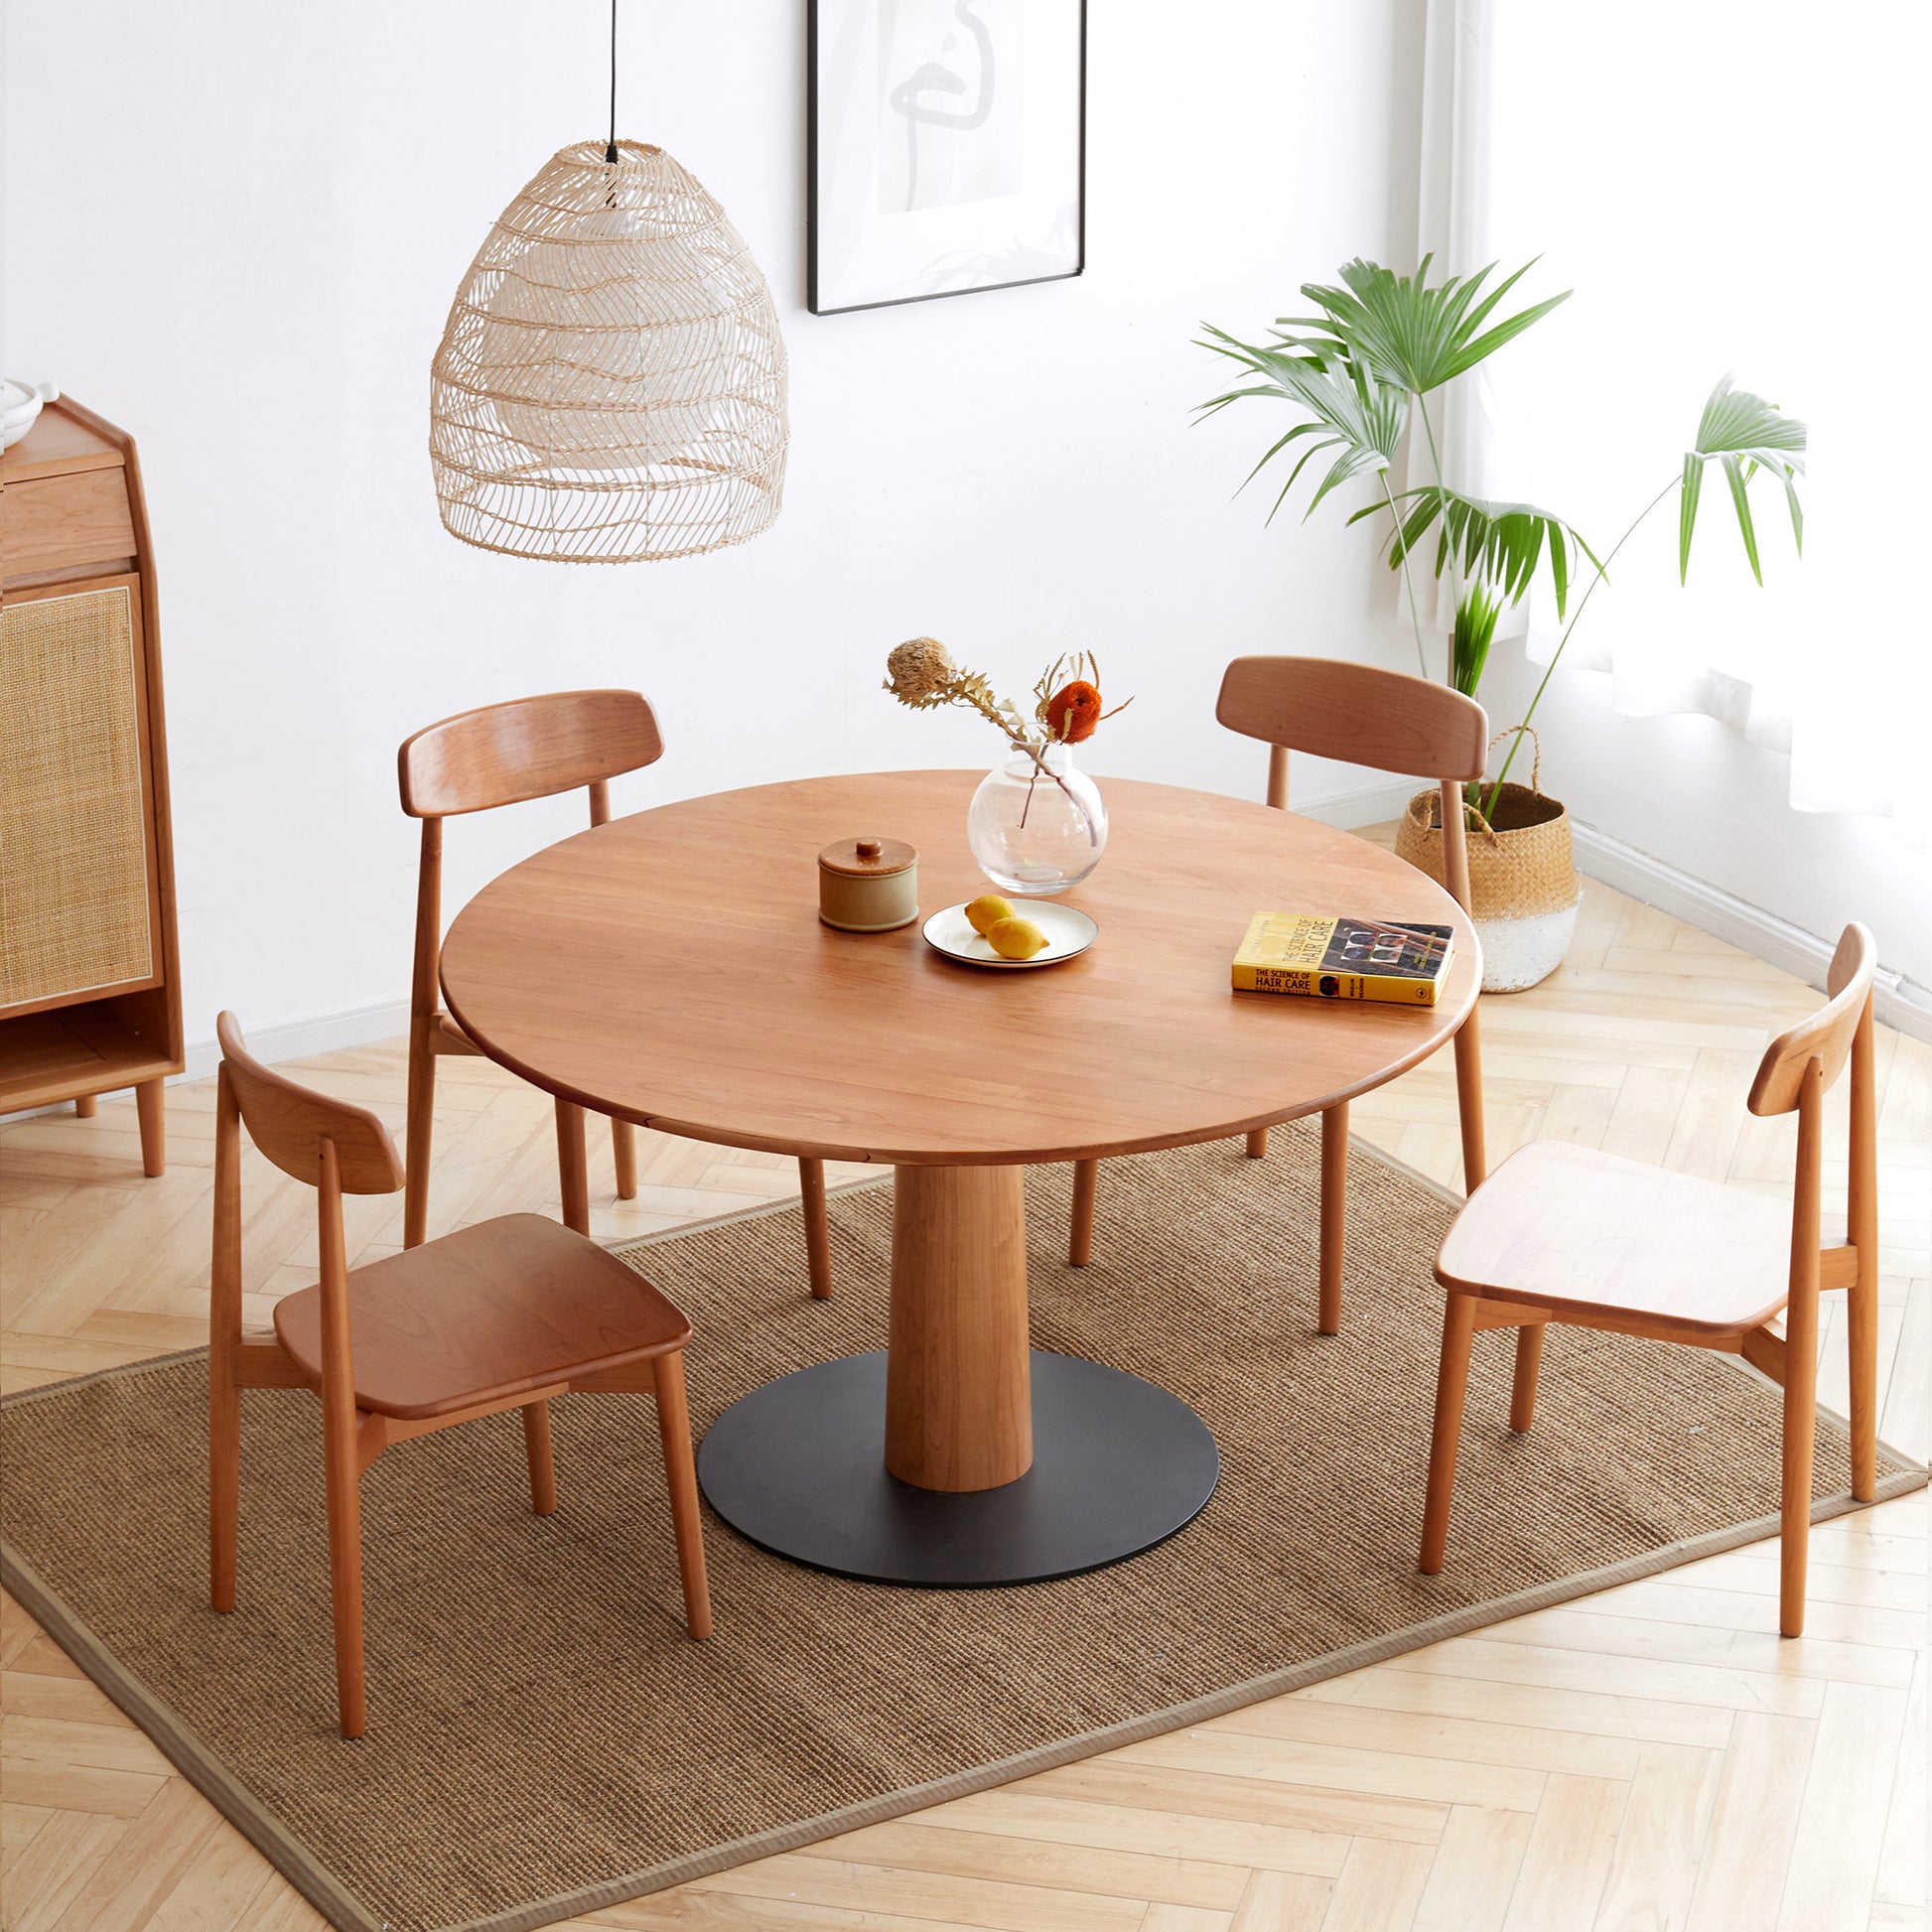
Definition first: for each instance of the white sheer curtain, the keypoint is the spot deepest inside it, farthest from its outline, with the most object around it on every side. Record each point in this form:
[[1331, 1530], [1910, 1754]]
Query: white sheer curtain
[[1727, 188]]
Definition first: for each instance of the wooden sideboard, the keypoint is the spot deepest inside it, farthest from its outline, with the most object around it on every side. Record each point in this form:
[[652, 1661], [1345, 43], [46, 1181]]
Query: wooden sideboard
[[90, 975]]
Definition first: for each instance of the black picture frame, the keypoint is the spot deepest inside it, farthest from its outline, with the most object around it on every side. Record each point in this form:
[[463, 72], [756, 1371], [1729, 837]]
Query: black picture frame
[[812, 185]]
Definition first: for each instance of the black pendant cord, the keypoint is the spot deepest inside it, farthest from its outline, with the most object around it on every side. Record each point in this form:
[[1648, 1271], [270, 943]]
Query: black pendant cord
[[611, 152]]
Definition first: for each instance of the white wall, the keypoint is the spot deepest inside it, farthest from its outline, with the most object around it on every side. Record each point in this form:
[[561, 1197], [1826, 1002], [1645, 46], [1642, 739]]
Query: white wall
[[239, 239]]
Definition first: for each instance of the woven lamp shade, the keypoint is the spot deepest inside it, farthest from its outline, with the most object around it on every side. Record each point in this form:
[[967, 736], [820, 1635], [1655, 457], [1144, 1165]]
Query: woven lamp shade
[[610, 383]]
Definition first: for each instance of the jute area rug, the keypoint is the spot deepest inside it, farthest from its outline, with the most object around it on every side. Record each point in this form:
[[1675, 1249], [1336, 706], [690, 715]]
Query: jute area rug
[[543, 1739]]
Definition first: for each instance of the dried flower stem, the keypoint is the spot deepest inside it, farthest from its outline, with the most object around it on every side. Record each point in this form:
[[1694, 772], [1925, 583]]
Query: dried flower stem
[[920, 674]]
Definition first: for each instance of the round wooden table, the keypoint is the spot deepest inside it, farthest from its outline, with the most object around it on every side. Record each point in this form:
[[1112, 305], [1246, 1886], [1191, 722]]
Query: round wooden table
[[671, 969]]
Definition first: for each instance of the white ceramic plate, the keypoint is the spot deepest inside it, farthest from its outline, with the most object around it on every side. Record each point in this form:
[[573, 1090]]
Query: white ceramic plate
[[1069, 933]]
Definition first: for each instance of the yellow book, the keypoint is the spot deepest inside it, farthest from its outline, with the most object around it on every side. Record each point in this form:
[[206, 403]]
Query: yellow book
[[1344, 959]]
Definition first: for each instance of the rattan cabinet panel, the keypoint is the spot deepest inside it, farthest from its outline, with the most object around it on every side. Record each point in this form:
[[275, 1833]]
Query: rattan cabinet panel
[[76, 914], [89, 970]]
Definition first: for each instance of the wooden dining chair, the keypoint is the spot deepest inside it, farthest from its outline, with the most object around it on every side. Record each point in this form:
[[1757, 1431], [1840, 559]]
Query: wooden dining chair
[[502, 1315], [1569, 1234], [1391, 722], [506, 755]]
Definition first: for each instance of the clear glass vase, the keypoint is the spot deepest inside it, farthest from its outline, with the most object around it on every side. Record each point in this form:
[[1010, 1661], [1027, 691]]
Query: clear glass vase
[[1036, 829]]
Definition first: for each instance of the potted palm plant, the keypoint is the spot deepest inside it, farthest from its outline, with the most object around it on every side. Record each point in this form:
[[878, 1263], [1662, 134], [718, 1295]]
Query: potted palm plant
[[1359, 374]]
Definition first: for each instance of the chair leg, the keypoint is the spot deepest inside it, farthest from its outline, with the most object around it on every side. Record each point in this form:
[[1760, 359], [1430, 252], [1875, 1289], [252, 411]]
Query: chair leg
[[623, 1152], [818, 1230], [1335, 1211], [1079, 1238], [1800, 1423], [148, 1108], [573, 1167], [346, 1569], [681, 1477], [225, 1483], [1451, 1384], [416, 1135], [1468, 1104], [1522, 1391], [1861, 1329], [543, 1468]]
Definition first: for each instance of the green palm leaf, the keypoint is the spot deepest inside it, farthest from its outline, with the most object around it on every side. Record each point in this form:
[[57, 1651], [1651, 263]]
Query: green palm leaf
[[1499, 544], [1409, 333], [1745, 434], [1353, 412], [1476, 613]]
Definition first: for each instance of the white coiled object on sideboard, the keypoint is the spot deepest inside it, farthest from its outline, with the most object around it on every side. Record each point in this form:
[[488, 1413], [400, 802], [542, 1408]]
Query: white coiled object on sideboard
[[20, 403]]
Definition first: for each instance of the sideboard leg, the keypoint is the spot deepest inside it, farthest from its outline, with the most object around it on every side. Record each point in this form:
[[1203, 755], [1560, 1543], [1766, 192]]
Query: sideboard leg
[[154, 1132], [87, 1105]]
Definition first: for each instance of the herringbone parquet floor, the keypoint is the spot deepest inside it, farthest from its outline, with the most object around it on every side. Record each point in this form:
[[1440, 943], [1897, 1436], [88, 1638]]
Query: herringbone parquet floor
[[1653, 1757]]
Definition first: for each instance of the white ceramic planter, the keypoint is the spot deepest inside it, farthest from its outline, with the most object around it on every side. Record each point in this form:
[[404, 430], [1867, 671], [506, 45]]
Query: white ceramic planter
[[1523, 887]]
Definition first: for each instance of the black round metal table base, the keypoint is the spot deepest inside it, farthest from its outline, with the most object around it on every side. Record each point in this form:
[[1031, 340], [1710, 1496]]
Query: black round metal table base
[[798, 1468]]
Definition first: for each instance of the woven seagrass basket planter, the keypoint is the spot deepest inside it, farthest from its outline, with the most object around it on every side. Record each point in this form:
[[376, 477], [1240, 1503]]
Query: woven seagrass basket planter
[[1523, 885]]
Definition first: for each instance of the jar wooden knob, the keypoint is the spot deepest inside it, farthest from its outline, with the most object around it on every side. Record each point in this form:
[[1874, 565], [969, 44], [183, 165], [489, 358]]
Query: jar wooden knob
[[868, 848]]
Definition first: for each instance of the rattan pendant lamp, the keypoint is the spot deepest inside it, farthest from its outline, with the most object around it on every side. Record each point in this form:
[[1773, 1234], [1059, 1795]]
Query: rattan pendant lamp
[[610, 383]]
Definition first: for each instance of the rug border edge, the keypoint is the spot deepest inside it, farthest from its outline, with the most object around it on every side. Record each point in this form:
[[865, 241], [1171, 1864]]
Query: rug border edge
[[1338, 1663], [293, 1858], [185, 1748]]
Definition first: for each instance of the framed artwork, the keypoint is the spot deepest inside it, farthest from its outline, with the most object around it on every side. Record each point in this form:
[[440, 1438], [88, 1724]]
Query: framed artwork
[[948, 148]]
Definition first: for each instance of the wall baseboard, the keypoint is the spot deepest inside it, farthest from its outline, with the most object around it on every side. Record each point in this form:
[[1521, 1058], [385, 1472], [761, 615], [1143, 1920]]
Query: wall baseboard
[[1349, 811], [326, 1033], [1898, 1001]]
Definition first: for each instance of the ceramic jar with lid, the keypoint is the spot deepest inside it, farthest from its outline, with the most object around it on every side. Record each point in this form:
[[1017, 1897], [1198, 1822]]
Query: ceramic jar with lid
[[868, 885]]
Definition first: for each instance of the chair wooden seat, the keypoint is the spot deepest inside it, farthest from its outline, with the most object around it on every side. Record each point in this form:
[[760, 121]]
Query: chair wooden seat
[[1563, 1234], [486, 1312], [508, 1314], [1570, 1228]]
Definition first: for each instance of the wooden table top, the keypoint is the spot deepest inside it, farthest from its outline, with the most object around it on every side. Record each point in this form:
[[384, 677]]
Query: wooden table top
[[671, 969]]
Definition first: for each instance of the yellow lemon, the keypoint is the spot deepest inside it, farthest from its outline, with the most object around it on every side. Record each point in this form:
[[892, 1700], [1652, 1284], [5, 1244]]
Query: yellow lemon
[[985, 913], [1013, 939]]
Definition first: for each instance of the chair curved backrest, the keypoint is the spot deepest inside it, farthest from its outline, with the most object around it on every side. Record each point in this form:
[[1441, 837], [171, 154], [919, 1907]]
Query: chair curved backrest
[[1387, 720], [529, 748], [288, 1122], [1827, 1034], [1355, 713]]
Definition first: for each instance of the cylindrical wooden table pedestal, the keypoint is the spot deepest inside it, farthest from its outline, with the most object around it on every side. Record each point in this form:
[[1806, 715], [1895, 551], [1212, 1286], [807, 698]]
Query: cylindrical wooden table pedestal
[[917, 1465], [958, 1392]]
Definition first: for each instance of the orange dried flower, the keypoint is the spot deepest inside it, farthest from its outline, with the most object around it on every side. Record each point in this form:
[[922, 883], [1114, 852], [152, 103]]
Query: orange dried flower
[[1072, 712]]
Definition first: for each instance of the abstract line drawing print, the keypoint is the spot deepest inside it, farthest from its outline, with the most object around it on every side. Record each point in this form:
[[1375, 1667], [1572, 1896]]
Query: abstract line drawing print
[[950, 128]]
